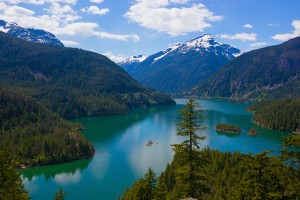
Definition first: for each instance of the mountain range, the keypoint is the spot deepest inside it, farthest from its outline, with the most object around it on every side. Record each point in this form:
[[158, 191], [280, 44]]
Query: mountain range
[[271, 72], [30, 34], [181, 66], [71, 82]]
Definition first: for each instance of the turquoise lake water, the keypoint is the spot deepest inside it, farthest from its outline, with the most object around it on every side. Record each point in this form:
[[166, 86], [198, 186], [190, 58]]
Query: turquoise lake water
[[122, 156]]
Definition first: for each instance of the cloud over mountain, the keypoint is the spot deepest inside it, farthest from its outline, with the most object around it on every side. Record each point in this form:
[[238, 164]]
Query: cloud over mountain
[[163, 16]]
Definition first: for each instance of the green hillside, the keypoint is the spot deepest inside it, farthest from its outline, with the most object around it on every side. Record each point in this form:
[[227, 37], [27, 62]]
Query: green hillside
[[35, 135], [281, 114], [71, 82], [271, 72]]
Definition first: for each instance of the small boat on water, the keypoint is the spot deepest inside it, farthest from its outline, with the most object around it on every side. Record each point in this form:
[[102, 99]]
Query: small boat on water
[[149, 143]]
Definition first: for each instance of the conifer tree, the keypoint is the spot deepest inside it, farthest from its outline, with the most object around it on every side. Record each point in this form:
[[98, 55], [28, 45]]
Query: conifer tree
[[188, 178], [11, 184], [60, 195]]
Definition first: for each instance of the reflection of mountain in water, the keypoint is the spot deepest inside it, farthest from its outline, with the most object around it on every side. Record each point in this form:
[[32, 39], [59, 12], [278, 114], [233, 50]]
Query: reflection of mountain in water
[[101, 129], [50, 171]]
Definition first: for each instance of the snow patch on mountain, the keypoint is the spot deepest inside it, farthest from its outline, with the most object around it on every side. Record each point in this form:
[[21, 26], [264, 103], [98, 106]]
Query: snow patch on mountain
[[203, 44], [138, 58], [30, 34], [167, 51]]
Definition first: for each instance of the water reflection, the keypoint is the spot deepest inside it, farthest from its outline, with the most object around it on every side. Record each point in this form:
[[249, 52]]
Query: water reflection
[[123, 157], [51, 171], [67, 178], [100, 164]]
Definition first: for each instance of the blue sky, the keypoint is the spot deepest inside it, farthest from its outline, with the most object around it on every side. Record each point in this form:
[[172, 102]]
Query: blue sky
[[121, 28]]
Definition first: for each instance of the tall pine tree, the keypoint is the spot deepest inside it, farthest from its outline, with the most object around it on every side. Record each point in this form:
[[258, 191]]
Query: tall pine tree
[[189, 179]]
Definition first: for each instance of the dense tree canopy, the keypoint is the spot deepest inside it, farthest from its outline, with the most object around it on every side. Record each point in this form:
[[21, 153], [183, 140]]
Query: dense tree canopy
[[71, 82], [281, 114], [35, 135], [271, 72], [11, 184], [233, 175]]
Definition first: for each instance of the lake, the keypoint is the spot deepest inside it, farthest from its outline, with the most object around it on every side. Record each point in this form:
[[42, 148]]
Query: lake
[[123, 157]]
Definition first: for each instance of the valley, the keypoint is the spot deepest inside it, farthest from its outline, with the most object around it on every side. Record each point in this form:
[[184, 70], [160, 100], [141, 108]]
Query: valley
[[216, 116]]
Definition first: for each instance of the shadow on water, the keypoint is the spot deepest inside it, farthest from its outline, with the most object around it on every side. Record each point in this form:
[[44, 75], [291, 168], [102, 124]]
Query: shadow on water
[[230, 135], [111, 126], [50, 171]]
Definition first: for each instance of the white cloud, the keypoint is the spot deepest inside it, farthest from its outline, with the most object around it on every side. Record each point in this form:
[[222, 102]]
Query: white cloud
[[96, 1], [258, 44], [179, 1], [59, 19], [240, 36], [287, 36], [69, 43], [95, 10], [114, 57], [40, 2], [88, 29], [160, 16], [132, 37], [34, 2], [3, 6], [63, 13], [248, 26], [18, 11]]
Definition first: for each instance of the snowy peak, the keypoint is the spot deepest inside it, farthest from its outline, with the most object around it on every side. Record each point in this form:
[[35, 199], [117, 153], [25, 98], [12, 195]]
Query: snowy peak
[[199, 46], [205, 41], [138, 58], [30, 34], [167, 51], [181, 66]]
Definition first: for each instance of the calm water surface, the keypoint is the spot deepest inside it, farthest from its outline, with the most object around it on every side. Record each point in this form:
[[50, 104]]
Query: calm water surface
[[123, 157]]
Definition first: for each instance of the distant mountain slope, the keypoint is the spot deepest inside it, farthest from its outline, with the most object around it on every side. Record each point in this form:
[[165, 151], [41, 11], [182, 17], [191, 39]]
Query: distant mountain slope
[[182, 66], [272, 72], [129, 64], [35, 135], [30, 34], [71, 82]]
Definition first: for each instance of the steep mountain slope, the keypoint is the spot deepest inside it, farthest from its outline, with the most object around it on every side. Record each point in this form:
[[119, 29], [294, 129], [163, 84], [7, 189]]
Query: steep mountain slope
[[30, 34], [129, 64], [71, 82], [182, 66], [35, 135], [271, 72]]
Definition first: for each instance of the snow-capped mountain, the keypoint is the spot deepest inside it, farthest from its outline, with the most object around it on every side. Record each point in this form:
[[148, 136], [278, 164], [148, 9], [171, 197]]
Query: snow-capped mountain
[[129, 63], [30, 34], [181, 66]]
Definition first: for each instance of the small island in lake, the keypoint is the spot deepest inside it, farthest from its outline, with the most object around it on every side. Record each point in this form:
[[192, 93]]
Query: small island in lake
[[228, 128], [252, 132]]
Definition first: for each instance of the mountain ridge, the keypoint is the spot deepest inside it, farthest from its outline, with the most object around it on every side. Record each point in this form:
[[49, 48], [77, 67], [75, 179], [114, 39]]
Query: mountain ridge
[[272, 72], [70, 81], [181, 66], [30, 34]]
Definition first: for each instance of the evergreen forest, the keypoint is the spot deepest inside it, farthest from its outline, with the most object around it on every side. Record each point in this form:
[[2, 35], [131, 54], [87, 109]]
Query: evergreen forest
[[211, 174], [281, 114], [36, 136], [71, 82]]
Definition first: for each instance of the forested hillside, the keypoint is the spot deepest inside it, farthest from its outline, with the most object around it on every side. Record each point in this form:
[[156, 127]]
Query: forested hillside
[[36, 136], [71, 82], [271, 72], [281, 114]]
